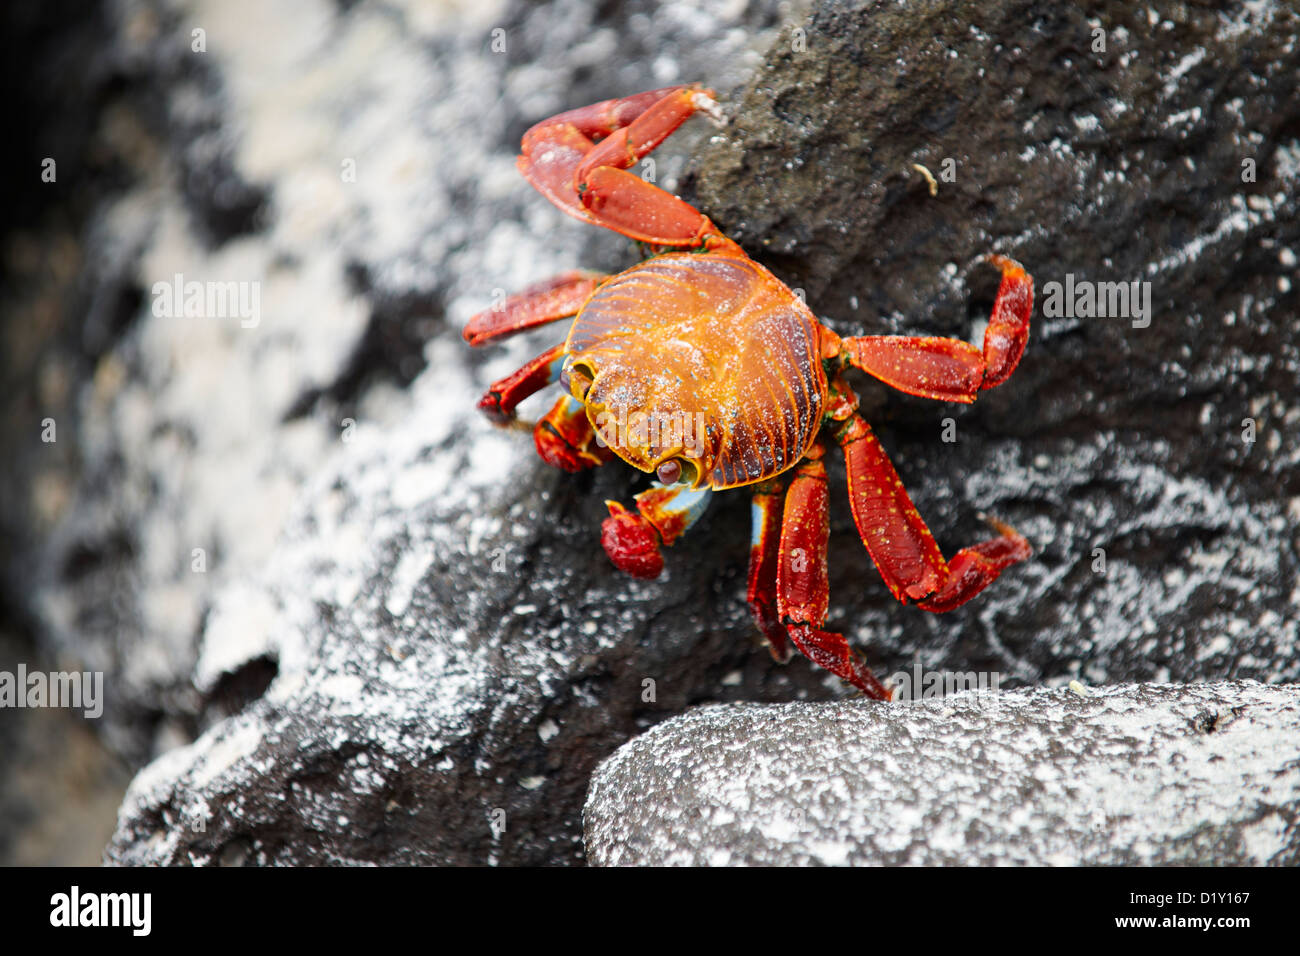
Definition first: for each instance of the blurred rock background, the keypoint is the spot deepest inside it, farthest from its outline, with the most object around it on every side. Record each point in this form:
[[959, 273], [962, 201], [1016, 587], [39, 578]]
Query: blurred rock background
[[343, 620]]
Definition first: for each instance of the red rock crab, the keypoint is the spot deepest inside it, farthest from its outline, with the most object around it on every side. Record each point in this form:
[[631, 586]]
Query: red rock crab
[[701, 367]]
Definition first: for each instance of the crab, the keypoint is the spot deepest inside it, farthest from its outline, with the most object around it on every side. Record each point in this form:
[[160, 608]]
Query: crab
[[700, 367]]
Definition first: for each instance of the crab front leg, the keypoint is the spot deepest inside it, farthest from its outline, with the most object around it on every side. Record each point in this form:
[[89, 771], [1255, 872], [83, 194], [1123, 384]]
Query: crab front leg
[[663, 513], [949, 369], [563, 436], [550, 301], [499, 402], [591, 182], [802, 582], [900, 543]]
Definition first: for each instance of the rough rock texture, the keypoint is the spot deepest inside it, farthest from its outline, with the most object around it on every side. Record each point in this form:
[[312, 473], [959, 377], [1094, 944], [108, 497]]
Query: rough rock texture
[[405, 644], [1128, 775]]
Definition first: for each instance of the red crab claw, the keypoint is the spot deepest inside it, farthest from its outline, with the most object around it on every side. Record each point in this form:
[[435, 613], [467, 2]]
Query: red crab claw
[[631, 542]]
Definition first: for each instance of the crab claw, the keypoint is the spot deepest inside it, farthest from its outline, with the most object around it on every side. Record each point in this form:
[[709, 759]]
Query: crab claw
[[564, 437], [631, 542]]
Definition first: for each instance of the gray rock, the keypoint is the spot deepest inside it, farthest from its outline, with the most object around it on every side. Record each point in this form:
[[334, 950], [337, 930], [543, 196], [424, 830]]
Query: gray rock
[[60, 786], [1144, 774]]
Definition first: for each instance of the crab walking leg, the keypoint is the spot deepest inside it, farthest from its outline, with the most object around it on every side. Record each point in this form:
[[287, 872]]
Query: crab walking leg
[[564, 437], [503, 395], [626, 203], [972, 569], [640, 210], [663, 513], [764, 557], [803, 590], [553, 149], [949, 369], [603, 118], [624, 146], [946, 369], [550, 301], [590, 181], [898, 540]]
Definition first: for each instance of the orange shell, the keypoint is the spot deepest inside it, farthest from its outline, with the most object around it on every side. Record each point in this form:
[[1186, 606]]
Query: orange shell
[[703, 356]]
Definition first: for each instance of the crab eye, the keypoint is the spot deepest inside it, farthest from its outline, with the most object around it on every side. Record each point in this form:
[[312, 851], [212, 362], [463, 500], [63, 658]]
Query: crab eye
[[669, 471], [576, 379]]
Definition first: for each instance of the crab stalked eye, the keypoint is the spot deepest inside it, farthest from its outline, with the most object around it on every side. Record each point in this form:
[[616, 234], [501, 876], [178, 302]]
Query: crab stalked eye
[[576, 378], [675, 470]]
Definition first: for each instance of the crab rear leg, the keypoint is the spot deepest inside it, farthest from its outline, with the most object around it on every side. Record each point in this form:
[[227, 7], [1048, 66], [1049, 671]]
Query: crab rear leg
[[626, 203], [601, 119], [629, 143], [764, 558], [553, 149], [972, 569], [803, 590], [663, 513], [900, 543], [550, 301], [949, 369]]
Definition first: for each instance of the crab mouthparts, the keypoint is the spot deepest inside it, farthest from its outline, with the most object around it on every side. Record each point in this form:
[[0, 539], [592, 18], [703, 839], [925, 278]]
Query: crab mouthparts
[[672, 444]]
